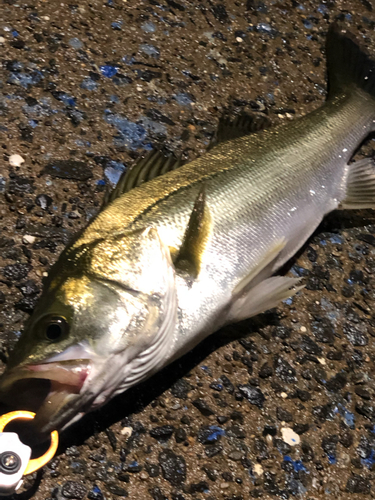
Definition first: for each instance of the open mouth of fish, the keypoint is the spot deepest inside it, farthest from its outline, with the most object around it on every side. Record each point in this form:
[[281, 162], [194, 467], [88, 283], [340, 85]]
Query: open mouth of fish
[[48, 389]]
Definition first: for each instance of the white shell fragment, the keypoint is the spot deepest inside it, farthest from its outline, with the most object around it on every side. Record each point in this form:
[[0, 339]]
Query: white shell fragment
[[127, 431], [290, 437], [16, 160], [28, 239]]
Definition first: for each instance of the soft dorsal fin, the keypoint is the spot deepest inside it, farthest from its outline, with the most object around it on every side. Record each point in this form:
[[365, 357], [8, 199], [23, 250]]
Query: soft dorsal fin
[[196, 235], [152, 165], [243, 124]]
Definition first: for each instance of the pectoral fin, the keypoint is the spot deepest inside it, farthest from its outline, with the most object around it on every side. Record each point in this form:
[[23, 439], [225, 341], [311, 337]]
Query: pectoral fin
[[360, 192], [263, 296], [195, 239]]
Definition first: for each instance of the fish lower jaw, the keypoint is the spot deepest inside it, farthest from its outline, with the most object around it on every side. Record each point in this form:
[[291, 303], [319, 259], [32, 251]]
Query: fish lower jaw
[[66, 385], [66, 402], [48, 389]]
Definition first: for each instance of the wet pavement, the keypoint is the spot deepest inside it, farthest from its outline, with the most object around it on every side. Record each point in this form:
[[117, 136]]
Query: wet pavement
[[277, 407]]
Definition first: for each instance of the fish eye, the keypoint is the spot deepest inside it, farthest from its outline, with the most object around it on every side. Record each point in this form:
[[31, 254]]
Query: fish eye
[[56, 327]]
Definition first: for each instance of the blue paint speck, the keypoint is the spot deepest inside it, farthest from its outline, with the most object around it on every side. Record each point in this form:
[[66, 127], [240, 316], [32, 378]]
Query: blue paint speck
[[150, 50], [297, 464], [152, 126], [76, 466], [264, 28], [131, 135], [129, 60], [184, 99], [82, 143], [307, 24], [108, 71], [349, 419], [15, 33], [113, 171], [299, 271], [148, 27], [67, 99], [322, 9], [332, 459], [25, 78], [117, 25], [336, 239], [216, 433], [89, 84], [369, 461]]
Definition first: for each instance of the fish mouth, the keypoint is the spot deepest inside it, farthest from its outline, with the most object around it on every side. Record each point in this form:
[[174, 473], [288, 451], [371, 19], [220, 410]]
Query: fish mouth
[[51, 390]]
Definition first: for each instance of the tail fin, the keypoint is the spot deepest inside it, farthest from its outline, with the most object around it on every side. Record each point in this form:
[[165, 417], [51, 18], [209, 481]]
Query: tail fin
[[347, 65]]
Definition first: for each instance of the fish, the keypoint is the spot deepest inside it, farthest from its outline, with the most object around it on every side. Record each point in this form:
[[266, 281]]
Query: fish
[[180, 250]]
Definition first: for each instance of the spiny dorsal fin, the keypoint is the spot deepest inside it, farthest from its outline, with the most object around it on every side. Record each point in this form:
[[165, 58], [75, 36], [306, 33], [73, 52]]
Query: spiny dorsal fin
[[196, 235], [243, 124], [152, 165]]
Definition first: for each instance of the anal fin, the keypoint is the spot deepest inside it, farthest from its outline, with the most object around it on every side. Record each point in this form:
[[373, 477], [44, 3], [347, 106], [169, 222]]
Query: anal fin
[[263, 296], [360, 191]]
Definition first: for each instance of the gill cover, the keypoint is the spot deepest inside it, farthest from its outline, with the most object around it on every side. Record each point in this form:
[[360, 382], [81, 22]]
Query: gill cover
[[138, 265]]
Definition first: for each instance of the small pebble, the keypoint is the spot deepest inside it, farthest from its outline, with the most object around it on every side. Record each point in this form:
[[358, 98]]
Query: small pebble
[[235, 455], [269, 439], [173, 467], [258, 469], [2, 39], [16, 160], [290, 437], [75, 43]]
